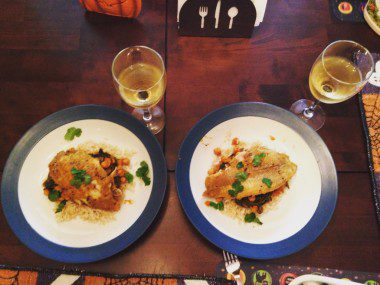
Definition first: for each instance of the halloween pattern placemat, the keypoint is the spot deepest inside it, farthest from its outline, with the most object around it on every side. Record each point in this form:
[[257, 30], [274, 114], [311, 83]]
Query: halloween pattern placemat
[[35, 276], [255, 273], [369, 101], [348, 10]]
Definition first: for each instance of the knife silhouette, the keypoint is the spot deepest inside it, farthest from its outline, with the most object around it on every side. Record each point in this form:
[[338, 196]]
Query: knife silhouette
[[217, 12]]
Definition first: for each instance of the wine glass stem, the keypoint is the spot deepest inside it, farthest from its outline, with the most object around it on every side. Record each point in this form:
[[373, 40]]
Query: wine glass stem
[[309, 111], [147, 115]]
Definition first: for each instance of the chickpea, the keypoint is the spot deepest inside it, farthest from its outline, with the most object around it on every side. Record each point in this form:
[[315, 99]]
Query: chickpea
[[120, 172], [106, 163], [255, 208], [225, 159], [217, 151], [126, 161], [235, 141]]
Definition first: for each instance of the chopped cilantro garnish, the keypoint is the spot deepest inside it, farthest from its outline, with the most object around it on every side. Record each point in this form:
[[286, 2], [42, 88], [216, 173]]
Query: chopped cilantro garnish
[[237, 186], [54, 195], [129, 177], [76, 183], [267, 182], [217, 206], [241, 176], [79, 177], [72, 133], [257, 159], [87, 179], [239, 165], [146, 180], [251, 218], [75, 171], [61, 206], [142, 172], [222, 166]]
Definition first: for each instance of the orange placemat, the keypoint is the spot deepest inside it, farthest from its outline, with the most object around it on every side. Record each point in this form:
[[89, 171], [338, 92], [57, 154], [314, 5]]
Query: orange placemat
[[35, 276]]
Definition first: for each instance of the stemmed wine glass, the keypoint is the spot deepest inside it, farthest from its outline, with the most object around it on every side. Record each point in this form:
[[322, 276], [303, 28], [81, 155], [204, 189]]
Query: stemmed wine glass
[[139, 76], [339, 72]]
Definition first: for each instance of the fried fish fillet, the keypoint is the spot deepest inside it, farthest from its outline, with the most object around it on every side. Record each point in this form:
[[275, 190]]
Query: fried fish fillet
[[274, 166], [99, 194]]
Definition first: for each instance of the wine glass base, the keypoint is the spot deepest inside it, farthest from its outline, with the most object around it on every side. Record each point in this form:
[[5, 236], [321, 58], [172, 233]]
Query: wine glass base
[[316, 120], [156, 123]]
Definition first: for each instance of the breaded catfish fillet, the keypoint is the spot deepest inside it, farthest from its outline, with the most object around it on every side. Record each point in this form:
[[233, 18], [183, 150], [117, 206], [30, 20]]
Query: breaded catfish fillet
[[274, 166]]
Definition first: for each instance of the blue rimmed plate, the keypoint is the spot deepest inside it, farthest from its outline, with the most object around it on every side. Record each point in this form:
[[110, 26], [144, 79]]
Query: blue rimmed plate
[[297, 218], [31, 215]]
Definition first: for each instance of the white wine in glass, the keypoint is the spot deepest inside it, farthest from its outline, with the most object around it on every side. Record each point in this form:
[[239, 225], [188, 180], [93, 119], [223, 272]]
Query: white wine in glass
[[145, 87], [340, 72], [140, 79]]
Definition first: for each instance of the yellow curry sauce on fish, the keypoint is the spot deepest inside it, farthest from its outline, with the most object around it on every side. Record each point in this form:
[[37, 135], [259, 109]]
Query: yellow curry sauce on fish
[[247, 178]]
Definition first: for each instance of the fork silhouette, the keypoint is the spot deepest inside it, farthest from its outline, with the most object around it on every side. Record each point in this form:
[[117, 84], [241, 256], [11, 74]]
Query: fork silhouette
[[203, 10]]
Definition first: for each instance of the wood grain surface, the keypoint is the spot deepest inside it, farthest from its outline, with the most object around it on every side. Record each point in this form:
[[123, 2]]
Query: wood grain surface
[[54, 55]]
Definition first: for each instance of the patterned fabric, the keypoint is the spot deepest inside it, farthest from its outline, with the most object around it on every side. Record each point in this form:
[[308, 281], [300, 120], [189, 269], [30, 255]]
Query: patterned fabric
[[370, 111], [258, 273], [25, 276], [348, 10]]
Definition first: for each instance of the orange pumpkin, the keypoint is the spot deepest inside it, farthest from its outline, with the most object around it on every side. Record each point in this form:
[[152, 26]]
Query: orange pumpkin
[[122, 8]]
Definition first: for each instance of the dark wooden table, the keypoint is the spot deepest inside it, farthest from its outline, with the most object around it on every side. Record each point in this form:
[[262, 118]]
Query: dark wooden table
[[53, 55]]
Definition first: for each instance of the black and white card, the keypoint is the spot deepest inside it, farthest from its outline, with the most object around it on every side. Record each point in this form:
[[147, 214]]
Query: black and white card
[[219, 18]]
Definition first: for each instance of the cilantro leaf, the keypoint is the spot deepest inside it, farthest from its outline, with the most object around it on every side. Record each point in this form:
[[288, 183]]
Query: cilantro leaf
[[87, 179], [54, 195], [75, 171], [251, 218], [222, 166], [257, 159], [61, 206], [71, 133], [78, 132], [241, 176], [79, 177], [146, 180], [76, 182], [267, 182], [232, 193], [237, 186], [129, 177], [239, 165], [142, 172], [217, 206]]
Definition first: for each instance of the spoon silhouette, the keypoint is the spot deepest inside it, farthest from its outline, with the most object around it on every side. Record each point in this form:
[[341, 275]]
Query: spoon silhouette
[[232, 12]]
